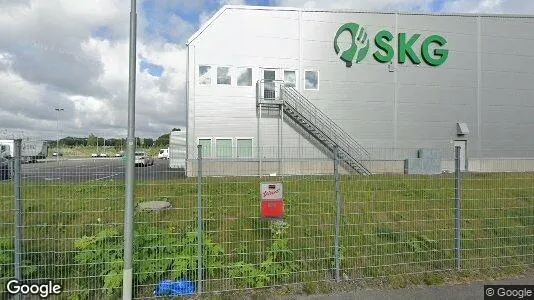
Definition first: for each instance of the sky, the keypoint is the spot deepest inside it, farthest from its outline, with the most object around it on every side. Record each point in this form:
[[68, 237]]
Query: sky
[[74, 55]]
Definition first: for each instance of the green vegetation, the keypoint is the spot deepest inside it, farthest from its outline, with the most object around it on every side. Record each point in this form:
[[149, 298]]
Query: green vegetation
[[396, 230]]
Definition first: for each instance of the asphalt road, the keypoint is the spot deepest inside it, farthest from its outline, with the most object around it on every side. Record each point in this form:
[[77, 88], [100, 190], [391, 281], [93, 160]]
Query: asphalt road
[[94, 169], [467, 291]]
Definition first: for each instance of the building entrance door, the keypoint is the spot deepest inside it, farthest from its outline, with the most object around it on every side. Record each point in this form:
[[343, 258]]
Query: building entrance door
[[269, 87]]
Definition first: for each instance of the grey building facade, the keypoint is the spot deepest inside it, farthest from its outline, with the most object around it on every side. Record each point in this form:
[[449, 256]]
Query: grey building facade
[[394, 82]]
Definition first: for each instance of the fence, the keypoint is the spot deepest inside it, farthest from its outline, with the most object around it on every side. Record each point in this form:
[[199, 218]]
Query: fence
[[63, 221]]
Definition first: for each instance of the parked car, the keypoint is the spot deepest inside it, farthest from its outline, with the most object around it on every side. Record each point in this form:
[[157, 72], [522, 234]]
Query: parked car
[[119, 154], [4, 168], [163, 154], [103, 155], [56, 154], [143, 159], [94, 155]]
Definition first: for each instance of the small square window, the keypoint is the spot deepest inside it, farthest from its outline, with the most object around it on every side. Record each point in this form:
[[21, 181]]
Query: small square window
[[206, 147], [224, 148], [312, 80], [244, 76], [290, 78], [204, 74], [244, 148], [223, 76]]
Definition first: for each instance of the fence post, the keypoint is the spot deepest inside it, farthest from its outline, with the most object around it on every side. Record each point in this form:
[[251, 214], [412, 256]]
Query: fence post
[[199, 221], [457, 209], [338, 212], [18, 211]]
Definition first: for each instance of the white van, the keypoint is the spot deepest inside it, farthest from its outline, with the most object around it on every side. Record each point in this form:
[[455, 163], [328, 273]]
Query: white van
[[163, 153]]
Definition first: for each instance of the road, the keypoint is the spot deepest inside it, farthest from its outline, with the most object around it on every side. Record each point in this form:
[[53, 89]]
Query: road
[[467, 291], [94, 169]]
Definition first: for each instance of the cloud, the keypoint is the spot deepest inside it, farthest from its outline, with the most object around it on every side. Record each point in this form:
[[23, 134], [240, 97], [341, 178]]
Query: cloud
[[74, 55], [367, 5], [65, 54], [490, 6]]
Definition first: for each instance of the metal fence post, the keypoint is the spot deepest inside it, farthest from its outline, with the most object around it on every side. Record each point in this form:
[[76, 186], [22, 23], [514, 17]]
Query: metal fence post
[[338, 212], [457, 209], [18, 210], [199, 221], [129, 176]]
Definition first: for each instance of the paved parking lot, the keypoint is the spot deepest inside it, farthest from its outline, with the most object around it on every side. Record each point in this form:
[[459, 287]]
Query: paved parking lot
[[85, 169]]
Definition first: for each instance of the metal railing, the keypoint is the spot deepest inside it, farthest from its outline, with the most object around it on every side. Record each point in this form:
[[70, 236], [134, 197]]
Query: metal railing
[[314, 121]]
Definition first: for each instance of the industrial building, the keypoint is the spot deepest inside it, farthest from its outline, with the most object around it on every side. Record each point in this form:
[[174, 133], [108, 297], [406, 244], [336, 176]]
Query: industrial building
[[276, 90]]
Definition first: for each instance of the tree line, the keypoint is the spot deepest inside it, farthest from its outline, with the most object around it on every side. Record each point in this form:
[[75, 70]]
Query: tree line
[[93, 140]]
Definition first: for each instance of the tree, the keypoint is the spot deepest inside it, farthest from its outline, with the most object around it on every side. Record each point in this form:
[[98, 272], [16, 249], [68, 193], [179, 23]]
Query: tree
[[163, 140], [91, 140]]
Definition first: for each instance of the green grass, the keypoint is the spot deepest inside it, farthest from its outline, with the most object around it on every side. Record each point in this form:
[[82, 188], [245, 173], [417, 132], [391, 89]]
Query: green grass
[[396, 230]]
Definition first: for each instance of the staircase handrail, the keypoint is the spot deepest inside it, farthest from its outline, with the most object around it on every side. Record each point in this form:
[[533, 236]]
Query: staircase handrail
[[337, 131]]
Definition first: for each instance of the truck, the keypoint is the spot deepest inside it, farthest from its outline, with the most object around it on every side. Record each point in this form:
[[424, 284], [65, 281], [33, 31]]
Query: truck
[[177, 147], [30, 151], [163, 153]]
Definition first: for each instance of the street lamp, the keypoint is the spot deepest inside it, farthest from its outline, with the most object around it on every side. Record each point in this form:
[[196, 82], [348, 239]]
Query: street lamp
[[57, 140]]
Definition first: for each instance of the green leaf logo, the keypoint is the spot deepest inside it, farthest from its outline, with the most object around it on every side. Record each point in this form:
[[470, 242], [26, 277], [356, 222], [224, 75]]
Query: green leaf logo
[[359, 44]]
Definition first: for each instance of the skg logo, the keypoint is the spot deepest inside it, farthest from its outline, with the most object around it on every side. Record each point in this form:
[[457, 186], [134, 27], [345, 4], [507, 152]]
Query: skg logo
[[359, 43], [385, 53]]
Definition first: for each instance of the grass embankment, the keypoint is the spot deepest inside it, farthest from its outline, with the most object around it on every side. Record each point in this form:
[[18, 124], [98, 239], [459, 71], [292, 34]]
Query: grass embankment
[[395, 230]]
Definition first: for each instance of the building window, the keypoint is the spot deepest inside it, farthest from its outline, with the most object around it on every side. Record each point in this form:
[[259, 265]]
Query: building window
[[244, 148], [204, 74], [223, 148], [312, 80], [290, 78], [206, 147], [223, 76], [244, 76]]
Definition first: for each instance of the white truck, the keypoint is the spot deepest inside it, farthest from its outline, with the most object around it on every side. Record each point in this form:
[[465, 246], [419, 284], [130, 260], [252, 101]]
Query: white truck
[[177, 147], [163, 153], [30, 152]]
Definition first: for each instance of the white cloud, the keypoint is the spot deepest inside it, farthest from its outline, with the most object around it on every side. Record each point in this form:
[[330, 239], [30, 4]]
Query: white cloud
[[50, 57], [368, 5], [490, 6]]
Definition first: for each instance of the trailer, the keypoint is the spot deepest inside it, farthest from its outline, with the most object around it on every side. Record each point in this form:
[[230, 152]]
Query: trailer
[[30, 150], [177, 148]]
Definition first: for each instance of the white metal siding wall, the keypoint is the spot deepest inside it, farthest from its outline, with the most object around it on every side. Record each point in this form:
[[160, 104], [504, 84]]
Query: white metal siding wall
[[413, 107]]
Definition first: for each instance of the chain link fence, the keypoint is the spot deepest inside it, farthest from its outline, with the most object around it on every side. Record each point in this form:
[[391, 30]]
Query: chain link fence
[[413, 221]]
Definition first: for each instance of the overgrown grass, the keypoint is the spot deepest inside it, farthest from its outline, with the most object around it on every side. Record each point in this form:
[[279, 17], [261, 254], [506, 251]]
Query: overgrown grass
[[395, 229]]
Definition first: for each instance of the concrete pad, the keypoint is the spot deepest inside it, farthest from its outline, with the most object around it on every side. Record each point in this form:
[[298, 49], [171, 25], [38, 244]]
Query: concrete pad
[[154, 205]]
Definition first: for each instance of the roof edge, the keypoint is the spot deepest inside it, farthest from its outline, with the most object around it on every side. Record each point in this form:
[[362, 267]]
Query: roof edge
[[283, 8]]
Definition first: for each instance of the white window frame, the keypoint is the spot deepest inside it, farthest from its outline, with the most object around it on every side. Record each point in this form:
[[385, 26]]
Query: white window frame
[[304, 80], [211, 148], [214, 146], [244, 138], [230, 69], [210, 72], [296, 76], [251, 76]]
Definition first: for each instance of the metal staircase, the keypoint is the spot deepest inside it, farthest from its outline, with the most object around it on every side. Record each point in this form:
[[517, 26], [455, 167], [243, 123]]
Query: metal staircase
[[313, 121]]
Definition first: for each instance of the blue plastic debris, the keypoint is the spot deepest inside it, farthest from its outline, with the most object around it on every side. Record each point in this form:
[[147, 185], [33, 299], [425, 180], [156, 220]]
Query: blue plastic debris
[[180, 287]]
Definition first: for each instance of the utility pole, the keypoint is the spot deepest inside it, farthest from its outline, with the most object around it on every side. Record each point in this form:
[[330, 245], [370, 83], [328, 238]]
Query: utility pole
[[57, 139]]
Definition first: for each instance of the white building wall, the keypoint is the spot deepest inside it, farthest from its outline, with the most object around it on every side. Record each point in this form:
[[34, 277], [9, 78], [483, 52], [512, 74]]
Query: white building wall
[[486, 81]]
